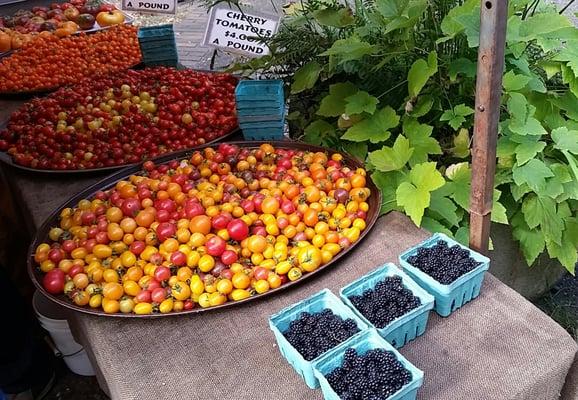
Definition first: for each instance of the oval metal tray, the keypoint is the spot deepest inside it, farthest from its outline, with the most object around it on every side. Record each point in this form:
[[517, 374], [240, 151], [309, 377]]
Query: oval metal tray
[[36, 275], [6, 159]]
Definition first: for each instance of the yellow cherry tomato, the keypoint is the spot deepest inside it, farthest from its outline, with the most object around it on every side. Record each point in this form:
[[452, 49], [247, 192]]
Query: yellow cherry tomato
[[216, 299], [261, 286], [309, 258], [224, 286], [240, 294], [166, 306], [180, 290], [206, 263], [204, 300], [95, 301], [143, 308], [294, 274]]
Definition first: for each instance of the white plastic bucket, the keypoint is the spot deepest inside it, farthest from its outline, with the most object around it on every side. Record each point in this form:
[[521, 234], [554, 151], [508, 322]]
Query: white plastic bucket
[[53, 319]]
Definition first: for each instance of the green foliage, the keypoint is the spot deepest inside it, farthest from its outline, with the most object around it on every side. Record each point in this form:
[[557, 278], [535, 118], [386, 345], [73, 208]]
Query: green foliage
[[392, 82]]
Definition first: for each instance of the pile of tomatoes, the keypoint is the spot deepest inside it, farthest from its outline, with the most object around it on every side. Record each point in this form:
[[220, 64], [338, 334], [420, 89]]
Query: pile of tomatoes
[[114, 120], [223, 225], [50, 62]]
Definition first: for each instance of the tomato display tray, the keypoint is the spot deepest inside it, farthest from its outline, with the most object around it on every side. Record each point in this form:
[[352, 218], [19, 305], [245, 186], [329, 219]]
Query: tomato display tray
[[374, 202], [6, 159], [128, 19]]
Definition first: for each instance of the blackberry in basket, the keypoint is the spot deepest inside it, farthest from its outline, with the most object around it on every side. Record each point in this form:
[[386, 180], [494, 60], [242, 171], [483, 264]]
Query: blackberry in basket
[[314, 334], [375, 375], [386, 302], [443, 263]]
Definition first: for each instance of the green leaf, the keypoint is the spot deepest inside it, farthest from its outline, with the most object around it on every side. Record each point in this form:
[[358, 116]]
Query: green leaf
[[317, 131], [349, 49], [567, 102], [413, 200], [534, 173], [434, 226], [420, 72], [387, 182], [306, 77], [375, 128], [565, 139], [335, 17], [528, 150], [535, 209], [425, 175], [391, 8], [420, 140], [499, 214], [450, 26], [360, 102], [513, 82], [471, 24], [462, 236], [392, 158], [531, 127], [462, 66], [461, 147], [333, 105], [460, 176], [542, 23], [444, 207], [422, 107], [518, 107], [532, 241], [357, 150], [565, 252], [456, 117]]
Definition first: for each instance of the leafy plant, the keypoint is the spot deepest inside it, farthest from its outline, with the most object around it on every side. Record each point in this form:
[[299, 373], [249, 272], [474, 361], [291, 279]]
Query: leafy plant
[[392, 82]]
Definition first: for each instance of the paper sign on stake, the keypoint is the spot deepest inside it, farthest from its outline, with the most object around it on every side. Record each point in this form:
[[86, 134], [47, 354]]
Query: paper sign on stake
[[150, 6], [239, 32]]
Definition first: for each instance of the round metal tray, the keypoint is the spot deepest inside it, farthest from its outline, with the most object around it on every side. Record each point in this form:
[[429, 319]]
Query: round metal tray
[[6, 159], [36, 275]]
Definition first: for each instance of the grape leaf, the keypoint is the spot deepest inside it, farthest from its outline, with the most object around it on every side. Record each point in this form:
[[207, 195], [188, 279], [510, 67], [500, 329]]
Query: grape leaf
[[349, 49], [356, 149], [392, 158], [532, 241], [512, 81], [462, 66], [375, 128], [471, 24], [528, 150], [360, 102], [425, 175], [413, 200], [305, 77], [420, 72], [335, 17], [317, 131], [444, 207], [420, 139], [518, 106], [542, 23], [333, 105], [422, 107], [434, 226], [565, 139], [387, 182], [541, 211], [531, 127], [565, 252], [534, 173], [456, 117], [461, 147]]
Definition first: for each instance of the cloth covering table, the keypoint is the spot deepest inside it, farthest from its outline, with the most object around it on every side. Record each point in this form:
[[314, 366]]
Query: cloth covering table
[[497, 347]]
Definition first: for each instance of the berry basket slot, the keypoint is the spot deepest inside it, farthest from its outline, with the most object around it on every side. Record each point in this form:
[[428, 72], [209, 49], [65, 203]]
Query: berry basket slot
[[403, 328], [452, 296], [280, 322]]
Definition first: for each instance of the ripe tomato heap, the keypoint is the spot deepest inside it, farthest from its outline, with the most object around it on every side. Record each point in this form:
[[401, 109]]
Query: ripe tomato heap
[[125, 118], [221, 226], [49, 62]]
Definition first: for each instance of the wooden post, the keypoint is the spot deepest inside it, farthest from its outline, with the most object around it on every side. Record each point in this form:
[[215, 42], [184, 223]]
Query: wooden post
[[493, 18]]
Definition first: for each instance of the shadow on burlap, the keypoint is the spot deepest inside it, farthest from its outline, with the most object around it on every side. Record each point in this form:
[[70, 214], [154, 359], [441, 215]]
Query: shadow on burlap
[[497, 347]]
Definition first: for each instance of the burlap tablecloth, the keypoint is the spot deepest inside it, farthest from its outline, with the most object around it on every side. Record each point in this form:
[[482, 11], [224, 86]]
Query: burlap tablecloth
[[498, 347]]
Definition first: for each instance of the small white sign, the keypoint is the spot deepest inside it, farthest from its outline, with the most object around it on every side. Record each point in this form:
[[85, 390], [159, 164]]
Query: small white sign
[[240, 32], [150, 6]]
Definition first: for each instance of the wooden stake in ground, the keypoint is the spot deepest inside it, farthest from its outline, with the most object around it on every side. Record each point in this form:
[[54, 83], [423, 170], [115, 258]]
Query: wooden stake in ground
[[493, 16]]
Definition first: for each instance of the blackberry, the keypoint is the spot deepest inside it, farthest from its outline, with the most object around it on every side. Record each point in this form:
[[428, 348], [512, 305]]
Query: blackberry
[[388, 300], [443, 263], [375, 375], [314, 334]]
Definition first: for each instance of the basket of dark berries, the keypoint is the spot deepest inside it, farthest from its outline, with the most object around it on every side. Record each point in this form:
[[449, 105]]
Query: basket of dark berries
[[367, 367], [451, 272], [308, 329], [392, 302]]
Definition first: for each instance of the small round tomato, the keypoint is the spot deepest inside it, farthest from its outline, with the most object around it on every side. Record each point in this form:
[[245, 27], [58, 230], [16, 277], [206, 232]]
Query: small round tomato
[[206, 263], [180, 291], [143, 308], [261, 286], [241, 280], [112, 290]]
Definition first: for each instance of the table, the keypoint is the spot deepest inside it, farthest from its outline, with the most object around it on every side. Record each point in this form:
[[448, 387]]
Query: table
[[497, 347]]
